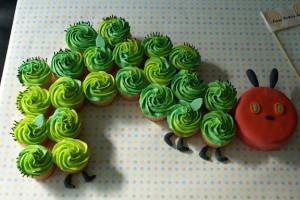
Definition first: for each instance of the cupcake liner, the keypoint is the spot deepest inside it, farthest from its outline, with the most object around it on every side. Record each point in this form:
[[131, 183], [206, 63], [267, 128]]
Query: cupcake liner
[[46, 175], [211, 144], [193, 133], [104, 103], [157, 119], [130, 98]]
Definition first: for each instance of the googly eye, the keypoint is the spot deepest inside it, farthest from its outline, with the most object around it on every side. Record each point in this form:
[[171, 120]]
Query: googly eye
[[255, 107], [278, 108]]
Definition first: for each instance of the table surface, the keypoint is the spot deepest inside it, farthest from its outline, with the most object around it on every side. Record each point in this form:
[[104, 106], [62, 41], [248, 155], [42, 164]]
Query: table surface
[[129, 156]]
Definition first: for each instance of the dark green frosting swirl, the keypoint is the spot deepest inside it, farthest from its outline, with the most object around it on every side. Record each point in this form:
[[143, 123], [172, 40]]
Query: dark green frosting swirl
[[131, 80], [128, 54], [64, 123], [80, 36], [71, 155], [98, 59], [188, 85], [218, 128], [27, 133], [34, 160], [157, 45], [221, 96], [156, 100], [157, 70], [185, 57], [114, 30], [33, 101], [34, 72], [67, 63], [66, 92]]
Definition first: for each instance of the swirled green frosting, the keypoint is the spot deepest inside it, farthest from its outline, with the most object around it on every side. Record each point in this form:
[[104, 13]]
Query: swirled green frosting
[[183, 120], [98, 59], [157, 70], [26, 132], [81, 36], [66, 92], [157, 45], [34, 72], [34, 160], [114, 30], [71, 155], [218, 128], [131, 81], [185, 57], [99, 86], [67, 63], [33, 101], [156, 100], [64, 123], [128, 54], [188, 85], [220, 95]]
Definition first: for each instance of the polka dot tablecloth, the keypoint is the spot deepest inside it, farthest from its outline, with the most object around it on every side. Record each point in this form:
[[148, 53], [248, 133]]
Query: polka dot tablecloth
[[129, 156]]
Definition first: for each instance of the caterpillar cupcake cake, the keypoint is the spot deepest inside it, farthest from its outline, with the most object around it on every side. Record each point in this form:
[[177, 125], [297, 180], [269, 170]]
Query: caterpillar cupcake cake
[[35, 72], [157, 45]]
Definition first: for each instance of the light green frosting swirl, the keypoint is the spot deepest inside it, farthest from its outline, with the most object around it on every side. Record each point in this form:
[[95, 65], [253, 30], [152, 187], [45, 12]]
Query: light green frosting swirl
[[71, 155], [33, 101], [156, 100], [27, 133], [128, 54], [98, 59], [114, 30], [218, 128], [34, 72], [185, 57], [157, 70], [67, 63], [188, 85], [183, 120], [220, 95], [99, 86], [64, 123], [131, 81], [157, 45], [34, 160], [66, 92], [80, 36]]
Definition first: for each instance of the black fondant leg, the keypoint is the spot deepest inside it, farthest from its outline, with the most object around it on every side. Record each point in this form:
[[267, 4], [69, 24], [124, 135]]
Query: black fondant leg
[[180, 146], [68, 181], [202, 153], [167, 138], [86, 177], [220, 157]]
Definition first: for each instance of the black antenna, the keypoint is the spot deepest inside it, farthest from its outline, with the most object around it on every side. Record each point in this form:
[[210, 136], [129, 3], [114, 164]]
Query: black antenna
[[273, 77], [252, 77]]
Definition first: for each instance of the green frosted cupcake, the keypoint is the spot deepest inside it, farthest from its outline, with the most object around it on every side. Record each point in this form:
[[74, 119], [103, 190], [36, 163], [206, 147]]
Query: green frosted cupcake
[[157, 45], [64, 123], [67, 92], [221, 96], [157, 70], [34, 101], [156, 102], [130, 82], [35, 72], [217, 129], [185, 57], [128, 54], [31, 130], [188, 85], [67, 63], [99, 88], [80, 36], [98, 59], [185, 118], [35, 161], [114, 30], [71, 155]]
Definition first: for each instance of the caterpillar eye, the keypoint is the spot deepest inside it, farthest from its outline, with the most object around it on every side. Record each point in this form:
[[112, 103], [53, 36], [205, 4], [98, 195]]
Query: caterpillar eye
[[278, 108], [255, 107]]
